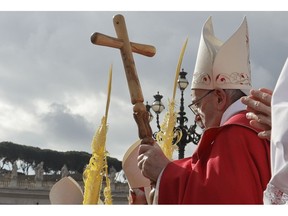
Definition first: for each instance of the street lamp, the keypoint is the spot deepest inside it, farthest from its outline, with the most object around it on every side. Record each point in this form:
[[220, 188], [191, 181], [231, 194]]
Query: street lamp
[[148, 107], [188, 134], [182, 81], [157, 107]]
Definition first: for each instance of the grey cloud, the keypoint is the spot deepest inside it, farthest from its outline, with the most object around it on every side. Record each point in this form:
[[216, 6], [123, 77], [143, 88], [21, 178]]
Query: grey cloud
[[48, 56], [63, 126]]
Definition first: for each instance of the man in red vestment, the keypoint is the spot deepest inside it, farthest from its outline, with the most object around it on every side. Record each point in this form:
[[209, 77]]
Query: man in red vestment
[[231, 164]]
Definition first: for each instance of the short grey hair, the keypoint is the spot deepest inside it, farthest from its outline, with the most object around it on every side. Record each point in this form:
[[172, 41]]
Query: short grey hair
[[234, 94]]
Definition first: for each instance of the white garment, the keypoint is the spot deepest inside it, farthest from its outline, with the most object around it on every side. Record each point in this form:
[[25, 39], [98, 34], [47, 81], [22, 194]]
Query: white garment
[[277, 189], [234, 108]]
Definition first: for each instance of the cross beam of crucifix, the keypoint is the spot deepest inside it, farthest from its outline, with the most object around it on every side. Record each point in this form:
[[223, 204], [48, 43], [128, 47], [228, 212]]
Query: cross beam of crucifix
[[126, 47]]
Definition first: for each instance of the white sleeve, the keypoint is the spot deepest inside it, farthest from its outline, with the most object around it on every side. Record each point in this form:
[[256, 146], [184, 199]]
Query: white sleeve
[[272, 195], [277, 189]]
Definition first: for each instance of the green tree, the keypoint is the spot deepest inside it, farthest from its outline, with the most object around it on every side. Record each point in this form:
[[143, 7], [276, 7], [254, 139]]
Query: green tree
[[29, 157]]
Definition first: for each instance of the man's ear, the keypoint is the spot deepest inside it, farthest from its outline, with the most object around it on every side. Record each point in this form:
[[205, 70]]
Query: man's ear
[[221, 98]]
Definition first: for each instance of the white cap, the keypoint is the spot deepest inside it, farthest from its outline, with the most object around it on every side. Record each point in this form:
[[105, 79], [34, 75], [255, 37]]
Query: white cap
[[131, 169], [133, 173], [66, 191], [223, 65]]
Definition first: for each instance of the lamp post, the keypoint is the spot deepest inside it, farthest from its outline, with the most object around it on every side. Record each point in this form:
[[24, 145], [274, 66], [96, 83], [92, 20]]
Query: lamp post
[[157, 107], [182, 119], [188, 134]]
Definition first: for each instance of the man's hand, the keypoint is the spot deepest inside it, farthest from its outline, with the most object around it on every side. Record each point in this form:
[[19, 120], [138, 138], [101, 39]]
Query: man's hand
[[259, 107], [137, 196], [151, 161]]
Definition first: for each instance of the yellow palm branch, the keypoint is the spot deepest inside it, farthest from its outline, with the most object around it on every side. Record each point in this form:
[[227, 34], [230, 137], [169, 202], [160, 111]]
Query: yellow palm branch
[[166, 135], [97, 167], [107, 189]]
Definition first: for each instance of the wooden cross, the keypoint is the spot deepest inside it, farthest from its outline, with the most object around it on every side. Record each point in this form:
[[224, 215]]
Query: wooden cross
[[126, 47]]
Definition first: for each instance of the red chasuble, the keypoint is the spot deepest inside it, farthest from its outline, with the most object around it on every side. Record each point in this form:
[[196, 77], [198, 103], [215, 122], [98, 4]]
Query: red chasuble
[[230, 166]]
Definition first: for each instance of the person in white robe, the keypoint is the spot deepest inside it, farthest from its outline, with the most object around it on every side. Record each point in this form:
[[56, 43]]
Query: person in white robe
[[269, 111]]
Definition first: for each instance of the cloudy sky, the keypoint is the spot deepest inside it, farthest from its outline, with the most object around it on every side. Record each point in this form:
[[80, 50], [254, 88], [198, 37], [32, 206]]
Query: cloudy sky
[[53, 80]]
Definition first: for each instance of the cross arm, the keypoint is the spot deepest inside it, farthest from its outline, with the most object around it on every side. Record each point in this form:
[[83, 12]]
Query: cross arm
[[105, 40]]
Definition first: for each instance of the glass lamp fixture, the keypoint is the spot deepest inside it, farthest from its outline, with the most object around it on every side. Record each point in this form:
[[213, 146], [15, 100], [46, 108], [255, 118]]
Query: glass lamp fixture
[[182, 81], [157, 105], [148, 107]]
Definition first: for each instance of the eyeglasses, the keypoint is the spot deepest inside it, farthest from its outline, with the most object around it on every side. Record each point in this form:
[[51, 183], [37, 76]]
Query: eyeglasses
[[194, 107]]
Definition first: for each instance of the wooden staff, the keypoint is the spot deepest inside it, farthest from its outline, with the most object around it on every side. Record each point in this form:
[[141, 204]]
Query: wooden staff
[[126, 47]]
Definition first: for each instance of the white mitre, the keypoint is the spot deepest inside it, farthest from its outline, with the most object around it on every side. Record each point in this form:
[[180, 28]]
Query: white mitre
[[223, 65]]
